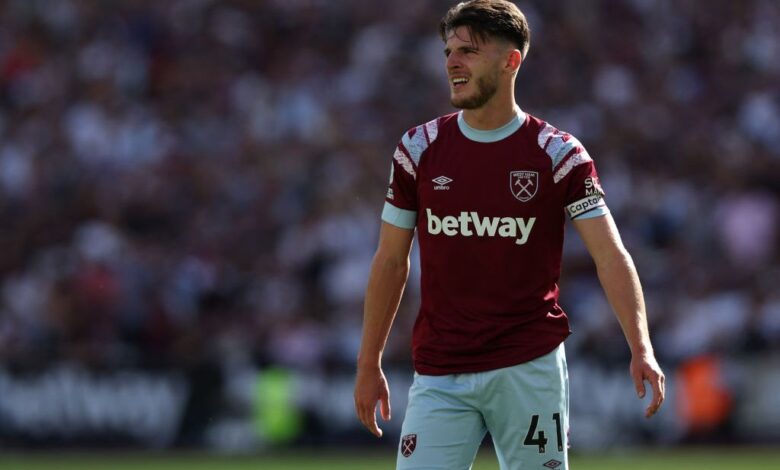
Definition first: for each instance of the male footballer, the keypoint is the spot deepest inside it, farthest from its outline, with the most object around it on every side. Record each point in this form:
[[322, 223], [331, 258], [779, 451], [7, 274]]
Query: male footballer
[[488, 190]]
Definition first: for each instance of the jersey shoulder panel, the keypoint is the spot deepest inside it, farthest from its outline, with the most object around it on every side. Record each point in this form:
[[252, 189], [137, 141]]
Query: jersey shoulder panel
[[418, 139], [564, 150]]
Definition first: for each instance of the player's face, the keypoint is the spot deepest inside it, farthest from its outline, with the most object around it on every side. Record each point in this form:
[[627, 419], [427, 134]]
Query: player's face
[[473, 69]]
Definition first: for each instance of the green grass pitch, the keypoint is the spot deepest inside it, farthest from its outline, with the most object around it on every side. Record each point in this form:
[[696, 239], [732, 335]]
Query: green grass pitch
[[646, 459]]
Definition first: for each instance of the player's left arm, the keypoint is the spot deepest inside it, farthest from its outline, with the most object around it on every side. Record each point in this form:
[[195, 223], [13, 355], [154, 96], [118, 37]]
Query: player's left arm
[[619, 279]]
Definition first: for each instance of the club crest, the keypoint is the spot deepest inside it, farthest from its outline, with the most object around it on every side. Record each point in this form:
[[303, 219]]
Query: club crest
[[523, 184], [408, 444]]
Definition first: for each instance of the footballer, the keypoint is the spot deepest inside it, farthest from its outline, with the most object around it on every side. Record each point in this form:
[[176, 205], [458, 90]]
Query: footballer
[[488, 190]]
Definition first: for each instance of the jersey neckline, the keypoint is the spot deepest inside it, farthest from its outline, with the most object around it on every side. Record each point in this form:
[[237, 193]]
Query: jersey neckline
[[492, 135]]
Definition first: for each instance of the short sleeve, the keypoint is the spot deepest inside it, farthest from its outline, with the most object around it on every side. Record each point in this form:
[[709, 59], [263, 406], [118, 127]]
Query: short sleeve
[[575, 173], [401, 199], [584, 195]]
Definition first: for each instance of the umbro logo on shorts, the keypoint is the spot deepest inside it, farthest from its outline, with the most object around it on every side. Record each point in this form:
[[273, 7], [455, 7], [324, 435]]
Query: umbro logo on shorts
[[552, 463]]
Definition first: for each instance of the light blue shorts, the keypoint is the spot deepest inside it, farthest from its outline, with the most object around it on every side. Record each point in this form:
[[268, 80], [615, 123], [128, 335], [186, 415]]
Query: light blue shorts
[[525, 408]]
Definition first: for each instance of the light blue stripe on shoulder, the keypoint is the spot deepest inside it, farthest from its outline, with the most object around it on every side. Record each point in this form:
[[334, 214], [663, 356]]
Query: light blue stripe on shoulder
[[416, 144], [399, 217], [560, 150], [597, 212]]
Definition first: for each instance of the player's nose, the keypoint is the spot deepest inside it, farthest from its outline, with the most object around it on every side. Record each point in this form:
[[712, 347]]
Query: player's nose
[[453, 62]]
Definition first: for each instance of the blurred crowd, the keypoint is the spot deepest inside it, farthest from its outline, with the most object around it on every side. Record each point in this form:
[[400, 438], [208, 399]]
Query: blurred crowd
[[201, 180]]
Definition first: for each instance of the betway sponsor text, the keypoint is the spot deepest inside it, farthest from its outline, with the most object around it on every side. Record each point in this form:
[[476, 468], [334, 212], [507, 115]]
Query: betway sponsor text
[[469, 224]]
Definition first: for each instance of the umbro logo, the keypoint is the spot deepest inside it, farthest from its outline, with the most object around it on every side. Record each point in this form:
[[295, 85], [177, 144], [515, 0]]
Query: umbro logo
[[441, 183]]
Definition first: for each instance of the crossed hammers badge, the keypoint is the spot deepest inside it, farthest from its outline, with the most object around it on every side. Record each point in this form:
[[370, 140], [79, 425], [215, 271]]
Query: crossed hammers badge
[[523, 184], [408, 444]]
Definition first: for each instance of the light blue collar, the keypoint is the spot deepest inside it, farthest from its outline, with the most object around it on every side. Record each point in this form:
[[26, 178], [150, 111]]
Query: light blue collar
[[493, 135]]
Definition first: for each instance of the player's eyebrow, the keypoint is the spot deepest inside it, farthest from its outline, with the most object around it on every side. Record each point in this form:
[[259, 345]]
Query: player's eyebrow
[[468, 48]]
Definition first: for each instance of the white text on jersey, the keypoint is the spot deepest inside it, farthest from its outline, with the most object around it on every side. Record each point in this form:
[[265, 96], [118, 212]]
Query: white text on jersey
[[482, 226]]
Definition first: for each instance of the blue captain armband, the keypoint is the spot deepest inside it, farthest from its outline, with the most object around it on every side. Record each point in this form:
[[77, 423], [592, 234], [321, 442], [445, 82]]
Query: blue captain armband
[[399, 217]]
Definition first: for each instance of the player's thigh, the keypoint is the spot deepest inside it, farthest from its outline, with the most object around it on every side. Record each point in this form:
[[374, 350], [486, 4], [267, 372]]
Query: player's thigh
[[441, 429], [527, 413]]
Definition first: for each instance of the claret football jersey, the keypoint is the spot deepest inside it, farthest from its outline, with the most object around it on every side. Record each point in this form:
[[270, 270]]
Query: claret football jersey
[[489, 208]]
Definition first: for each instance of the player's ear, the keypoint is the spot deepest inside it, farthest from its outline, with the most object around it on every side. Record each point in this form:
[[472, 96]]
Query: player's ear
[[514, 60]]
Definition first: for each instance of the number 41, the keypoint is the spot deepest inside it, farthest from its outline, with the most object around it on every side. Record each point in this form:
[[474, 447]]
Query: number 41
[[541, 441]]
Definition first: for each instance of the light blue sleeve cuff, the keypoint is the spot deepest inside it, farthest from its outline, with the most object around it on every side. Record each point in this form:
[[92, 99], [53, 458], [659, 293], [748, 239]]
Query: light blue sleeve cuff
[[597, 212], [399, 217]]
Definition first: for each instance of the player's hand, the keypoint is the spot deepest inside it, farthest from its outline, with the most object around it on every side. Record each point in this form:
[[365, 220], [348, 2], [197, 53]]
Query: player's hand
[[370, 387], [645, 368]]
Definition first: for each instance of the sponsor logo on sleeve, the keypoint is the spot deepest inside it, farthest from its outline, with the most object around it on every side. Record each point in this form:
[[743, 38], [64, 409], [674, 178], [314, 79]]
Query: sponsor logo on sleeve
[[523, 184], [390, 194], [593, 186]]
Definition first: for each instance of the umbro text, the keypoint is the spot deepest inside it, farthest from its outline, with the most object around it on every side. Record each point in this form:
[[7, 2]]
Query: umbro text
[[470, 223]]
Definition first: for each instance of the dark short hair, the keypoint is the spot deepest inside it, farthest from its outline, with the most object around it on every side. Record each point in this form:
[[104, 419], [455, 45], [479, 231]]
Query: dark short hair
[[489, 19]]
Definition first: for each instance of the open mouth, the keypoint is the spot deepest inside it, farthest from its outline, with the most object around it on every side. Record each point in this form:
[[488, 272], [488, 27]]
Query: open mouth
[[458, 82]]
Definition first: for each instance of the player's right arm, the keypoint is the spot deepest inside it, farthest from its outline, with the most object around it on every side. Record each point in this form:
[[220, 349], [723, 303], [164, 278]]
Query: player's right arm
[[386, 282]]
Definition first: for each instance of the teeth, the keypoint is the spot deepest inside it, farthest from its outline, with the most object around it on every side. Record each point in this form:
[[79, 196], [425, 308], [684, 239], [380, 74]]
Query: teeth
[[456, 81]]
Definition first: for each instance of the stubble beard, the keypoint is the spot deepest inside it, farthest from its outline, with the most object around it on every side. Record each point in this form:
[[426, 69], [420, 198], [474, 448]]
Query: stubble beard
[[486, 88]]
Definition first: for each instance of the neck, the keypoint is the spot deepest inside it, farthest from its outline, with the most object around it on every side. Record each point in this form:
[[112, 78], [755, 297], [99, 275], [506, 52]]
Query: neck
[[490, 116]]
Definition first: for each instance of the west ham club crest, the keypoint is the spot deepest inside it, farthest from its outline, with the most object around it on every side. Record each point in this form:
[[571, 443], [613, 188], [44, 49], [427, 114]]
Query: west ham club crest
[[408, 444], [523, 184]]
